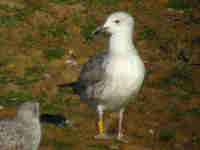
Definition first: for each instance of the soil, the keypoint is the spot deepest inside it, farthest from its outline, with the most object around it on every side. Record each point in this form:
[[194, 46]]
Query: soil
[[45, 43]]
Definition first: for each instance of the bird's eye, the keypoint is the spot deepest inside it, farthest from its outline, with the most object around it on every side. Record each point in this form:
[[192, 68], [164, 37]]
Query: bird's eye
[[117, 21]]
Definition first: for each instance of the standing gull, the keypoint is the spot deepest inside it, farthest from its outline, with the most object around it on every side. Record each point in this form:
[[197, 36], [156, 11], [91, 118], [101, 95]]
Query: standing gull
[[24, 131], [110, 80]]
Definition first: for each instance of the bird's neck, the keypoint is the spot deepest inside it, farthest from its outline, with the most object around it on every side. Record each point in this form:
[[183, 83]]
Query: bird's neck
[[121, 44]]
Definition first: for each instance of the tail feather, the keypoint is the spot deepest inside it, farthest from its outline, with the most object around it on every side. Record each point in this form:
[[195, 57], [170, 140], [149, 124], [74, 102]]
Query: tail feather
[[72, 84], [76, 86]]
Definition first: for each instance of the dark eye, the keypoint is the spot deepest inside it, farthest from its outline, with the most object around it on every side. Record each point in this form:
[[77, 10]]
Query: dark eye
[[117, 21]]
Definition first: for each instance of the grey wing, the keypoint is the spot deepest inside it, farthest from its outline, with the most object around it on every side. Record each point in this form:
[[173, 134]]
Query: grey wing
[[93, 71], [10, 137]]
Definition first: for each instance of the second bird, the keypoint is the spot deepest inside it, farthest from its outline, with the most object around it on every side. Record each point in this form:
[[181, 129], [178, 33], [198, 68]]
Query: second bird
[[24, 131]]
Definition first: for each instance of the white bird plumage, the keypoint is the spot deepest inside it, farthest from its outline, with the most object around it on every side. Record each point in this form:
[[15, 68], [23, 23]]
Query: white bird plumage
[[24, 131], [110, 80]]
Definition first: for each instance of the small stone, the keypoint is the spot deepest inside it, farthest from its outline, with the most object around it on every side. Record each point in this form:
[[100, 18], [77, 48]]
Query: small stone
[[70, 61], [151, 131], [47, 75], [114, 147], [1, 107]]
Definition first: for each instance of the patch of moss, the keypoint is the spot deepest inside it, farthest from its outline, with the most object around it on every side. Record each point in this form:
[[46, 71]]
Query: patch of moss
[[57, 144], [55, 30], [6, 61], [194, 111], [90, 27], [30, 38], [99, 146], [181, 4], [56, 52], [166, 134], [148, 34], [10, 21], [16, 97], [35, 70]]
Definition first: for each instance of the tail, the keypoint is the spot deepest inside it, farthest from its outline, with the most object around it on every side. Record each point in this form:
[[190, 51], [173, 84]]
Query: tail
[[72, 84], [76, 86]]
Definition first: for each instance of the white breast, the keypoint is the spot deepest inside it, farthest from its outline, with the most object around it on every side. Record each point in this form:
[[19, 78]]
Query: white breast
[[125, 77]]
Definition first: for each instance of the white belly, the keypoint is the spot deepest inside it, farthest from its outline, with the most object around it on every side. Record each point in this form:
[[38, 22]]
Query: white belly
[[125, 77]]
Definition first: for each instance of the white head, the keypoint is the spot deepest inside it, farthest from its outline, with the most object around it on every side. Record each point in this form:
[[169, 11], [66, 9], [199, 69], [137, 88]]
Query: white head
[[118, 22], [28, 112]]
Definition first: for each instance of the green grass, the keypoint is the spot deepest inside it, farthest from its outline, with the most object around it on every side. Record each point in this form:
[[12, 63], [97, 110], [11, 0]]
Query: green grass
[[180, 4], [36, 70], [56, 52], [75, 18], [176, 77], [60, 1], [99, 146], [27, 11], [90, 27], [24, 80], [60, 102], [6, 61], [57, 144], [55, 30], [148, 34], [10, 21], [194, 111], [4, 43], [14, 97], [166, 134], [5, 76], [60, 31], [30, 38], [7, 8], [32, 75], [27, 32]]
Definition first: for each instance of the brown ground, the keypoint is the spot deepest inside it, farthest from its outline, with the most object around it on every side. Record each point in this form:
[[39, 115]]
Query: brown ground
[[38, 37]]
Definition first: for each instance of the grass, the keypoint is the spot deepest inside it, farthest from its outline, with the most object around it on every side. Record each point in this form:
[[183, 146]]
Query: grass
[[27, 11], [14, 97], [35, 70], [148, 34], [60, 102], [75, 18], [166, 134], [176, 77], [30, 38], [10, 21], [6, 61], [194, 111], [37, 32], [56, 52], [99, 146], [87, 31], [53, 30], [88, 28], [57, 144], [62, 1], [180, 4], [7, 8], [32, 75]]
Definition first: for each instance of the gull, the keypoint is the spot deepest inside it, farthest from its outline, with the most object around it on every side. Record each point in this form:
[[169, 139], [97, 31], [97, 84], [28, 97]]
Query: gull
[[24, 131], [112, 79]]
